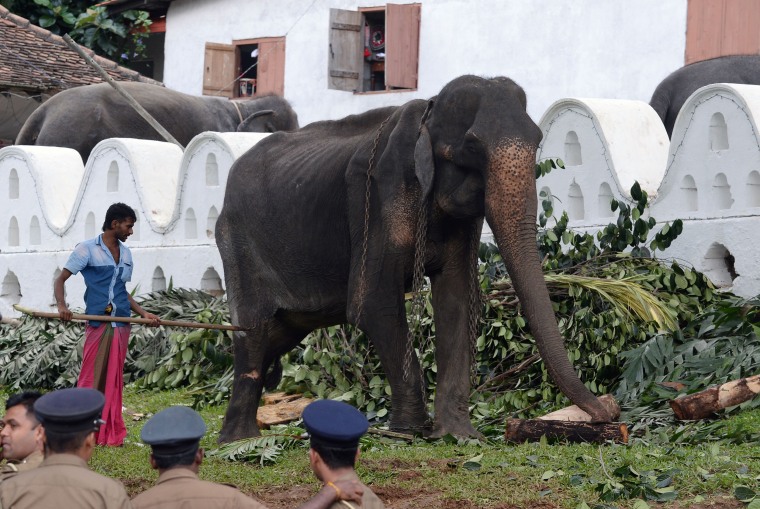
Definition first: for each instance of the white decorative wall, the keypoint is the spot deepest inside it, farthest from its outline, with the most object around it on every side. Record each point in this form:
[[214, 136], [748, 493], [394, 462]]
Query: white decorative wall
[[708, 176], [51, 201]]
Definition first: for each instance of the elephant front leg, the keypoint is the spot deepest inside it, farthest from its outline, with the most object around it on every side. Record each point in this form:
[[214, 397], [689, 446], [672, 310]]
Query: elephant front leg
[[452, 288], [385, 325]]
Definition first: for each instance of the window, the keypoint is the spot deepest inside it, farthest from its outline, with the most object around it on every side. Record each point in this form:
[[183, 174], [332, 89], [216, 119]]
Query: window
[[245, 68], [374, 48], [716, 28]]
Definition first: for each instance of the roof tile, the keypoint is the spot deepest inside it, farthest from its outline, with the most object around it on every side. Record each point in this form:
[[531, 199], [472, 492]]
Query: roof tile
[[34, 58]]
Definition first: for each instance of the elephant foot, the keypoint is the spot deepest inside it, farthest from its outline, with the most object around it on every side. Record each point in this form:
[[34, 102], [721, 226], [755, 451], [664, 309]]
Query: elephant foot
[[459, 429], [411, 426], [233, 433]]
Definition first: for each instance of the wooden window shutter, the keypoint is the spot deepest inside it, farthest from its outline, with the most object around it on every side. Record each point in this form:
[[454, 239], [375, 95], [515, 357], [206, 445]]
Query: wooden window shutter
[[271, 72], [344, 68], [402, 43], [716, 28], [219, 69]]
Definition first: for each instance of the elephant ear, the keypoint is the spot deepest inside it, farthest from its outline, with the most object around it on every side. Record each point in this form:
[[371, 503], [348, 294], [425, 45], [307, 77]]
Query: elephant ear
[[424, 162]]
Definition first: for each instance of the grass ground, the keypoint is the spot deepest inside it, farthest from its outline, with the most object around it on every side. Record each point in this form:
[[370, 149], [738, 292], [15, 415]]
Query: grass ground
[[423, 474]]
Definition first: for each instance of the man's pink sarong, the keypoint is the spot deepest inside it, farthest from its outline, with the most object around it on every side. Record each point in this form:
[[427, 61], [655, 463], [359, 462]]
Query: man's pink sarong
[[103, 369]]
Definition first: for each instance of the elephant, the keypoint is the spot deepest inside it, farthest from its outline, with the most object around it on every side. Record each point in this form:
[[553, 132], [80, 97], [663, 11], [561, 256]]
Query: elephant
[[673, 91], [81, 117], [325, 225]]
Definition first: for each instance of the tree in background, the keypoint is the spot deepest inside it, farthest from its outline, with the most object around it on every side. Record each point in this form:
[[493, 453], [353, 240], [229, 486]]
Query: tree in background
[[119, 37]]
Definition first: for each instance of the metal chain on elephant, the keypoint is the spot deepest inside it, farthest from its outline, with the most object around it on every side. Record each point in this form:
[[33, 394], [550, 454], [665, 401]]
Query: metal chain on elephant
[[418, 298], [362, 290], [475, 300]]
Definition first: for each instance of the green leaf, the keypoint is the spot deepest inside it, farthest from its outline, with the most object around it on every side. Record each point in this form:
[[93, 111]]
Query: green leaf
[[744, 493]]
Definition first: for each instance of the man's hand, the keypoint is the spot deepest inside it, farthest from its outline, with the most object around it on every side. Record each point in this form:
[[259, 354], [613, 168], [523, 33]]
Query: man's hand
[[350, 490], [155, 321], [64, 313]]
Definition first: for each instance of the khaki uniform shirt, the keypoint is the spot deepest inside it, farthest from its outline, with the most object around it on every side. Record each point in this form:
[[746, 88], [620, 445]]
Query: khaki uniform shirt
[[62, 481], [181, 488], [369, 499], [12, 468]]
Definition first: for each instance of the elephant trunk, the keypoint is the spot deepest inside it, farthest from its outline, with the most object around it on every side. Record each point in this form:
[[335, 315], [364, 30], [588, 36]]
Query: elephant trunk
[[511, 212]]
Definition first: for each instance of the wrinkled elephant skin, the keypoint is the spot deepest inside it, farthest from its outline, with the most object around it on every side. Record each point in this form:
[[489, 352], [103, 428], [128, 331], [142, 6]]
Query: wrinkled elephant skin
[[291, 238]]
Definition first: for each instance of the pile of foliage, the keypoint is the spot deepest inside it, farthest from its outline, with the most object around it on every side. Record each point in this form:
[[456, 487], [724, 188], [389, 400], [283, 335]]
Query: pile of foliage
[[630, 321]]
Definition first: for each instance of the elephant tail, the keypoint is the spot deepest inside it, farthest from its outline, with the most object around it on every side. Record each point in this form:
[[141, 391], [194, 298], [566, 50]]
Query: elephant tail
[[273, 376]]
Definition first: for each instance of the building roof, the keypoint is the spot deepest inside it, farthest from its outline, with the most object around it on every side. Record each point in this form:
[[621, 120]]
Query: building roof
[[34, 59], [153, 6]]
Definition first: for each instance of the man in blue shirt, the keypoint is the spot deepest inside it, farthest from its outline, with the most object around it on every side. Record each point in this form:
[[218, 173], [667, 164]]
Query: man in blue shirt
[[106, 265]]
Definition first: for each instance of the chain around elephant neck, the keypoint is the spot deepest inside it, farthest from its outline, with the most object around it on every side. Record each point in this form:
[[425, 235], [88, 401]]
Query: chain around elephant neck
[[362, 290]]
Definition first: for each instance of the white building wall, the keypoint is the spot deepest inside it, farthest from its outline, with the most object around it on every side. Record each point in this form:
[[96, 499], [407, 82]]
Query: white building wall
[[586, 48]]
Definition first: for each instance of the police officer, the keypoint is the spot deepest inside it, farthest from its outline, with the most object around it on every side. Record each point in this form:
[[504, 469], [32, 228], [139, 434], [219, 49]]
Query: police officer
[[71, 418], [174, 435], [335, 428], [21, 435]]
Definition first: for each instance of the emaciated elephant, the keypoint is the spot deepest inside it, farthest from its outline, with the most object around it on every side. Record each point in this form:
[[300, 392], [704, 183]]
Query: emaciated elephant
[[672, 92], [81, 117], [303, 248]]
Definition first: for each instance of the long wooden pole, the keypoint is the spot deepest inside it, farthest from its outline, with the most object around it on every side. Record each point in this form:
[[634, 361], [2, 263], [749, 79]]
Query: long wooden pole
[[131, 100], [126, 319]]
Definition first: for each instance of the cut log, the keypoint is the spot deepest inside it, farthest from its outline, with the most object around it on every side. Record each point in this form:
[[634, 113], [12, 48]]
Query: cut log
[[272, 398], [281, 413], [703, 404], [575, 414], [531, 430]]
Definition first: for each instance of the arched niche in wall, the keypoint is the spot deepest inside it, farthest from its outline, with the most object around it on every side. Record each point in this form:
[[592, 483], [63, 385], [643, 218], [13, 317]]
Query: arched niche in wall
[[35, 235], [191, 225], [753, 189], [573, 156], [722, 192], [212, 170], [211, 283], [10, 290], [14, 236], [719, 265], [112, 178], [159, 280], [718, 133], [689, 193], [13, 185], [90, 230], [213, 215], [575, 206], [604, 200]]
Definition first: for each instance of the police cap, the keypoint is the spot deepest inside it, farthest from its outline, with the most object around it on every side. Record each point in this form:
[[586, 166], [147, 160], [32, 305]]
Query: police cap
[[334, 424], [173, 431], [70, 410]]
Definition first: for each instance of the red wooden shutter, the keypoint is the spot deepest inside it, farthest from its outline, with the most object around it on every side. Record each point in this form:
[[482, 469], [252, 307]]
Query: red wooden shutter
[[344, 64], [219, 69], [402, 42], [270, 77], [716, 28]]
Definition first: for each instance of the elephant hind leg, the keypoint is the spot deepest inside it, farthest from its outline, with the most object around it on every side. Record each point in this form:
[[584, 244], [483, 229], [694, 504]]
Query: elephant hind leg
[[255, 352]]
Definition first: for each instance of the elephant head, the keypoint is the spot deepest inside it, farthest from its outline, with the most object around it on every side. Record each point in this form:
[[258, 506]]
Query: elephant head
[[266, 114], [475, 157]]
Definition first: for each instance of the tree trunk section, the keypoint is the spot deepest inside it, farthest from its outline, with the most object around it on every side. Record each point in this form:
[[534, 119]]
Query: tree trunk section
[[574, 413], [703, 404], [531, 430]]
